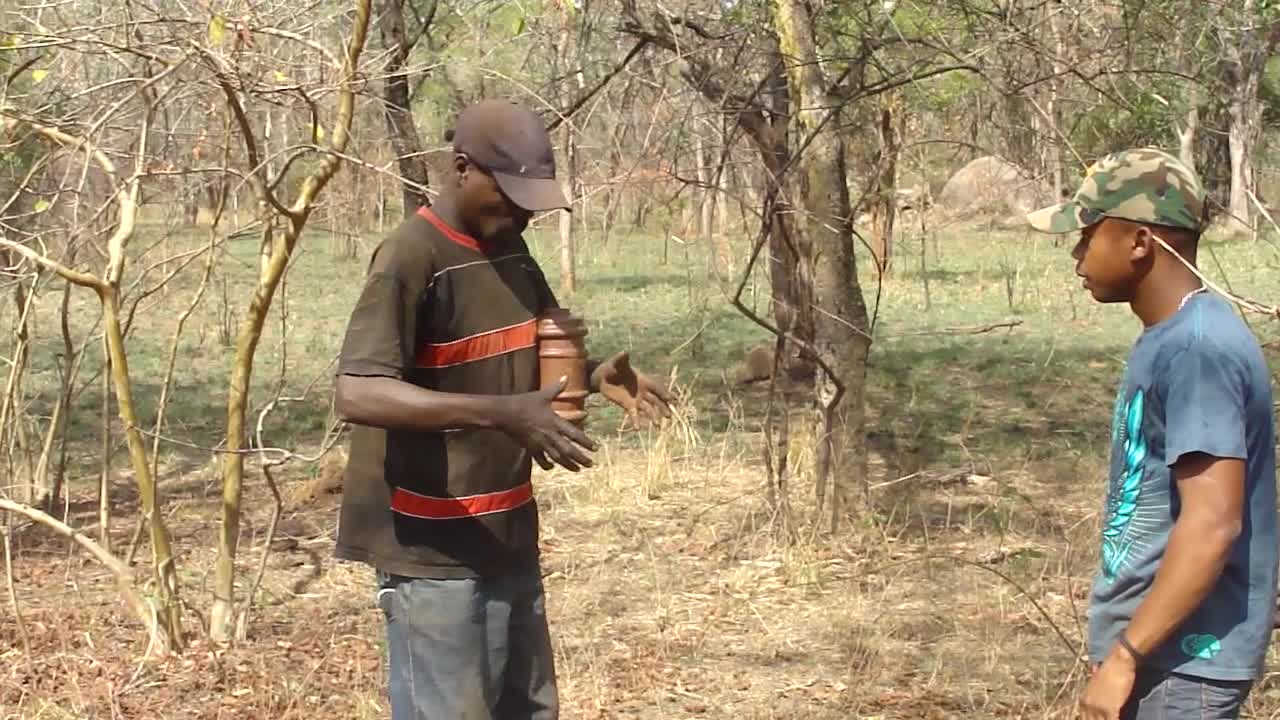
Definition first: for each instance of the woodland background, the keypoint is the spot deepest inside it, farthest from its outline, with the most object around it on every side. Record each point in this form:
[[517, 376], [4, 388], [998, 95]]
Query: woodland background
[[880, 494]]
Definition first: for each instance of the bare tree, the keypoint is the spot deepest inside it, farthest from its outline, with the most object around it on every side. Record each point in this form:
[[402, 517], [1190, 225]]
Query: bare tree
[[1248, 37], [107, 285], [277, 249], [762, 110], [397, 92], [842, 341]]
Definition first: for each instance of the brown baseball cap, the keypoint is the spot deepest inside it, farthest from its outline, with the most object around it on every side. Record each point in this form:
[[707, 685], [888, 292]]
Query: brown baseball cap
[[512, 144]]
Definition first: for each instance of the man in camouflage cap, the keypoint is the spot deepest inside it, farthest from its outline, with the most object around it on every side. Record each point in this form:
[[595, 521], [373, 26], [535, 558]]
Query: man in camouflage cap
[[1180, 615]]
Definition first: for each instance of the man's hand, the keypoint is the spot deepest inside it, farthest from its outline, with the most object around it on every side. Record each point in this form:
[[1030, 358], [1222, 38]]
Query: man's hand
[[529, 419], [632, 391], [1109, 687]]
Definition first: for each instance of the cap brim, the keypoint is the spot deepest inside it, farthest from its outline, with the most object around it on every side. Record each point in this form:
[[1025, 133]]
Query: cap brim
[[1064, 217], [533, 194]]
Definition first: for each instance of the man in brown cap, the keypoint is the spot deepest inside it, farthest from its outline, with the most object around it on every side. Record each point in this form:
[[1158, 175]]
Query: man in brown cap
[[439, 374]]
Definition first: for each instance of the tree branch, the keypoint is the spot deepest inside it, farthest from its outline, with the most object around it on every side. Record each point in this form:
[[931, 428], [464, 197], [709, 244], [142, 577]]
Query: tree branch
[[641, 43], [73, 276], [124, 576]]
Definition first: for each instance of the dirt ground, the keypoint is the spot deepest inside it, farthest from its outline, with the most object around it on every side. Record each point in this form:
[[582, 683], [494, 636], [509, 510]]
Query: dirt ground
[[672, 591]]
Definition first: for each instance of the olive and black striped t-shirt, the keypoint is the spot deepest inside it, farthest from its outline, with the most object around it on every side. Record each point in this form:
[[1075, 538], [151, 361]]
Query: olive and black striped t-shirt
[[444, 312]]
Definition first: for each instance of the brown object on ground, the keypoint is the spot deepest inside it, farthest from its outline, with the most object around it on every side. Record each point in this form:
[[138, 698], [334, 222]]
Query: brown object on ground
[[327, 482], [756, 366], [562, 352]]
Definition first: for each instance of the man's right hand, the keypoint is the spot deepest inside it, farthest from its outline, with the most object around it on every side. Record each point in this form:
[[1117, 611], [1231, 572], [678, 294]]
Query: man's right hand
[[551, 439]]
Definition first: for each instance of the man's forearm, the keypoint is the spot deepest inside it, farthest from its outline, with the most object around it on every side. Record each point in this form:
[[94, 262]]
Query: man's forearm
[[1193, 560], [388, 403]]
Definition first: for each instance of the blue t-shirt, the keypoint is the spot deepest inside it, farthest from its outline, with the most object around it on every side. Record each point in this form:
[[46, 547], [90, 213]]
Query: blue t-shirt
[[1196, 382]]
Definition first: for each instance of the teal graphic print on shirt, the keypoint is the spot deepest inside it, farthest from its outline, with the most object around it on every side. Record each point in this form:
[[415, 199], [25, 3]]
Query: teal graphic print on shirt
[[1205, 647], [1119, 534]]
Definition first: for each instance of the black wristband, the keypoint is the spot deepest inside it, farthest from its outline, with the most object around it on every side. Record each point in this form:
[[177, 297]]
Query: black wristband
[[1138, 658]]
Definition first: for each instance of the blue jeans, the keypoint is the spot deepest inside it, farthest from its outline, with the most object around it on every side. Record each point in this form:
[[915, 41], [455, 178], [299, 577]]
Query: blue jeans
[[469, 649], [1159, 695]]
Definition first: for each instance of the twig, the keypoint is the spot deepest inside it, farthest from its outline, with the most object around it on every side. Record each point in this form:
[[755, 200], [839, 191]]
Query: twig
[[124, 577], [13, 594], [691, 338], [222, 451], [568, 112], [74, 276], [889, 483], [325, 446], [963, 330], [277, 32], [104, 482]]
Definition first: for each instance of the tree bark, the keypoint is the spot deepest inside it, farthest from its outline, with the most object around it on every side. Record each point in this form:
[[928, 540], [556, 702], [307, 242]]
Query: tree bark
[[840, 336], [396, 93]]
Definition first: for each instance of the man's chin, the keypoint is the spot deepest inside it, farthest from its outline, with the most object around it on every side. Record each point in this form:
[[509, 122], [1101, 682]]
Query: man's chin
[[1107, 298]]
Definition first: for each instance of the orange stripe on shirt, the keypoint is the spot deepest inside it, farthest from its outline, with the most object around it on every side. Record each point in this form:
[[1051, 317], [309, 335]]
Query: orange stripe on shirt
[[426, 507], [480, 346], [461, 238]]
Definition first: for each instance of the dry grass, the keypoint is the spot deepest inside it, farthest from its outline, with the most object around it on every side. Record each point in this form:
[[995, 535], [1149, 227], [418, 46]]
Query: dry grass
[[672, 593]]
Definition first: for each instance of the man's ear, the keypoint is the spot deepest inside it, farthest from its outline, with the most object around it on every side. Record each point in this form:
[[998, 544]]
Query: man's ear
[[461, 164], [1143, 244]]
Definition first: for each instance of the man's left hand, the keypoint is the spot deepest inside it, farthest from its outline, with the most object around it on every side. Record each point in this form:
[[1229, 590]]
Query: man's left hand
[[1109, 688], [633, 391]]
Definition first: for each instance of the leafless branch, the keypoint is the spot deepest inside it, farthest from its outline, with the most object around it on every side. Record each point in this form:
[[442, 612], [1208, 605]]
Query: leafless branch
[[962, 330], [604, 81], [142, 610], [74, 276]]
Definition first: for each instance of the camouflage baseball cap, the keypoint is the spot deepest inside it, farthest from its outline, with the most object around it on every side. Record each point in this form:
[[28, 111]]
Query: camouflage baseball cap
[[1143, 185]]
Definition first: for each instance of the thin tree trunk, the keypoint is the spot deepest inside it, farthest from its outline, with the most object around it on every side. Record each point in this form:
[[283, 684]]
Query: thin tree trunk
[[168, 610], [568, 273], [764, 120], [405, 141], [1051, 105], [1248, 39], [840, 339], [1187, 133], [884, 203], [104, 478], [276, 252], [1245, 112], [10, 406], [166, 620], [706, 213], [723, 248], [71, 364], [790, 278]]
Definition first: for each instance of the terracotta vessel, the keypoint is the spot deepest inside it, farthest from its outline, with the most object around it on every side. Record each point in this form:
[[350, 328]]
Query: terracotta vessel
[[562, 351]]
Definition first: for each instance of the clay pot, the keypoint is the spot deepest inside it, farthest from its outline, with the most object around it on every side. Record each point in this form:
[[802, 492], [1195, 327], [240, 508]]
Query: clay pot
[[562, 352]]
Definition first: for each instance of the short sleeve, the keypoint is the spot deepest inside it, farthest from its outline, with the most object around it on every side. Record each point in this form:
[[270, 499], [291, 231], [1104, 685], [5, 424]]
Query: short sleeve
[[1204, 404], [375, 342]]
